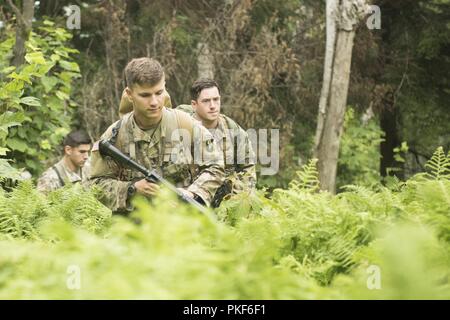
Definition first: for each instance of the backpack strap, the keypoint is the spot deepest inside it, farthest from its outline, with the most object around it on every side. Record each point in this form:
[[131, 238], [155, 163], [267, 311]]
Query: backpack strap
[[184, 121], [233, 127], [61, 181], [115, 132]]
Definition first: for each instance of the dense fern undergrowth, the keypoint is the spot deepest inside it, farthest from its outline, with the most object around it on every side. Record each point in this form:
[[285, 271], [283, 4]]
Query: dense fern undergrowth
[[389, 242]]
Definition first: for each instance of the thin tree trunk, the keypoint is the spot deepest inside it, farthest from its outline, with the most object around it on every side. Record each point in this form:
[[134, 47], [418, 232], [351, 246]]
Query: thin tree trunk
[[342, 15], [333, 126], [327, 71], [24, 21]]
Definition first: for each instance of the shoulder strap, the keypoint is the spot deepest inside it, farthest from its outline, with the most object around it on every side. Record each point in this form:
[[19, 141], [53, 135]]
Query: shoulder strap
[[231, 123], [115, 132], [234, 127], [178, 120], [185, 121], [61, 181]]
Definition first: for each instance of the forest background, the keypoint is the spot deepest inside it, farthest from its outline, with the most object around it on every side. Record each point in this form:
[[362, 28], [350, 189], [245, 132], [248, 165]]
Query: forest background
[[268, 57]]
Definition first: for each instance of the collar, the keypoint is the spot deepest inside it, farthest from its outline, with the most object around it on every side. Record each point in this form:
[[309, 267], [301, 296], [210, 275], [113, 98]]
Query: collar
[[62, 163], [146, 135]]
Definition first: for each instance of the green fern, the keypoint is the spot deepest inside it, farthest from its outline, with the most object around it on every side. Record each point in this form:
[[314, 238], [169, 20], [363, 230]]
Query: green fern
[[21, 211], [297, 244], [439, 165], [307, 177], [79, 207]]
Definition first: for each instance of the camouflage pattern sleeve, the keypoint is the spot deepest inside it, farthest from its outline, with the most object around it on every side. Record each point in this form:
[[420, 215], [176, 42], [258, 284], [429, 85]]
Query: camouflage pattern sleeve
[[104, 174], [245, 167], [48, 181], [210, 165]]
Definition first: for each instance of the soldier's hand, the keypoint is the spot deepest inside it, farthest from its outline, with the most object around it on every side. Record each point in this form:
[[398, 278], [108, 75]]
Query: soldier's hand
[[146, 188]]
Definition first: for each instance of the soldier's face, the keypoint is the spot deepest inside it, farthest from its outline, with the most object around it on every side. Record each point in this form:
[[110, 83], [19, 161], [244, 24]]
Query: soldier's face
[[207, 105], [78, 155], [148, 101]]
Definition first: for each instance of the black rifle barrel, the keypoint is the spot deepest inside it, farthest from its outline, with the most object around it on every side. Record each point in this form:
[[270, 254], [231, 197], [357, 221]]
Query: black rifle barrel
[[107, 149]]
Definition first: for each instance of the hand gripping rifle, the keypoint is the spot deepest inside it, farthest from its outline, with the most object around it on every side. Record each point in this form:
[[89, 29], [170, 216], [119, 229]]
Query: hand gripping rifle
[[107, 149]]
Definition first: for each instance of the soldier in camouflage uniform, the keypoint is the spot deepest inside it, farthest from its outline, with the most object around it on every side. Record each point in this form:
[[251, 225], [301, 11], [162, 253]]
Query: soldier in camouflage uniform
[[240, 171], [233, 141], [167, 140], [73, 167]]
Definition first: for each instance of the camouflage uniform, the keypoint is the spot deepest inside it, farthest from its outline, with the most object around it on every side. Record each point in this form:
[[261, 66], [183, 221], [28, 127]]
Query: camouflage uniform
[[240, 174], [163, 149], [59, 175]]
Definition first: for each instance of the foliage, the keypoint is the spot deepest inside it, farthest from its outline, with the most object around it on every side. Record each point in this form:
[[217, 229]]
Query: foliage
[[300, 244], [358, 161], [35, 98], [439, 165], [24, 210]]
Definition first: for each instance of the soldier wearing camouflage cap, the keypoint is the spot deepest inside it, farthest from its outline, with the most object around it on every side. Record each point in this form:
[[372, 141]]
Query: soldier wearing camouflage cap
[[167, 140], [73, 167]]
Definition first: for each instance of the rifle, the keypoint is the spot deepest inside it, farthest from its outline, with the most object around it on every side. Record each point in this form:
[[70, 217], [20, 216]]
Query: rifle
[[107, 149]]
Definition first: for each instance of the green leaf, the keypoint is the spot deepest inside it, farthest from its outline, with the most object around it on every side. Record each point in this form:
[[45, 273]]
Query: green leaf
[[31, 101], [10, 119], [62, 53], [49, 83], [67, 76], [45, 145], [8, 69], [62, 95], [35, 57], [55, 57], [31, 164], [44, 69], [16, 144], [70, 66], [3, 151], [22, 76], [7, 171]]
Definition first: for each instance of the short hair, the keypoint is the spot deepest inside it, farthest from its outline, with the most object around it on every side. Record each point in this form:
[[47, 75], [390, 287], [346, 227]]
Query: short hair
[[200, 84], [143, 71], [76, 138]]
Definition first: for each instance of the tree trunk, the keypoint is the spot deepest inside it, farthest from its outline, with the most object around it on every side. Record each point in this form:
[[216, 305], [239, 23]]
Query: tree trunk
[[328, 151], [344, 14], [24, 20], [327, 71]]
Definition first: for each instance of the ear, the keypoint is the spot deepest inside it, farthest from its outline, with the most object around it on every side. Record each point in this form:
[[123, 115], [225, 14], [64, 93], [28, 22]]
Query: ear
[[68, 150], [194, 104], [128, 91]]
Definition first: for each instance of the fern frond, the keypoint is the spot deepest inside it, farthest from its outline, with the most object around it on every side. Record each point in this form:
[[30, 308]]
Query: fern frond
[[307, 177], [439, 165]]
